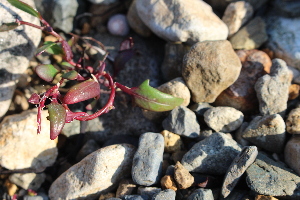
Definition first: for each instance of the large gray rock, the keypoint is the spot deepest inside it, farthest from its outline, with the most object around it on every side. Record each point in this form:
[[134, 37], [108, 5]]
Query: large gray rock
[[208, 155], [273, 89], [267, 132], [209, 68], [267, 177], [97, 173], [186, 21], [16, 49]]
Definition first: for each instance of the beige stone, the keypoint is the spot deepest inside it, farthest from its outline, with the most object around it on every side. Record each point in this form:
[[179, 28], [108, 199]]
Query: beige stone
[[168, 182], [293, 121], [173, 141], [182, 176]]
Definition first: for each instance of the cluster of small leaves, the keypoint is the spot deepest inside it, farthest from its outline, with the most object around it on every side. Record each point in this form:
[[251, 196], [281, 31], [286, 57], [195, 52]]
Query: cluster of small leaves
[[88, 80]]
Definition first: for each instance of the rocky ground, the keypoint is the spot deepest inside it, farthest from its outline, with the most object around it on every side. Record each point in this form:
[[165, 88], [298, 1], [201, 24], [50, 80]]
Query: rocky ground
[[236, 65]]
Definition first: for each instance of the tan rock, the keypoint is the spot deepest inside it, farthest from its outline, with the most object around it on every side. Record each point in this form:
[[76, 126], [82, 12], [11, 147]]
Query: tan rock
[[293, 121], [106, 196], [292, 153], [173, 141], [263, 197], [126, 186], [182, 176], [294, 91], [168, 182]]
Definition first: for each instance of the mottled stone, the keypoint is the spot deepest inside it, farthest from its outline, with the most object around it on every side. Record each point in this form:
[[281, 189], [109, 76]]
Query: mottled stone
[[273, 90], [167, 194], [21, 146], [207, 156], [209, 68], [147, 161], [292, 153], [236, 15], [267, 177], [29, 180], [173, 142], [251, 36], [267, 132], [177, 88], [237, 168], [185, 21], [293, 121], [201, 194], [126, 187], [224, 119], [182, 121], [182, 176], [168, 182], [97, 173], [241, 94]]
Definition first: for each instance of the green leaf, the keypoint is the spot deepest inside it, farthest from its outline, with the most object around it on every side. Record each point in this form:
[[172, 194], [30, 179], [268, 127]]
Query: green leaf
[[152, 99], [71, 75], [82, 91], [66, 65], [25, 7], [57, 118], [50, 47], [8, 26], [46, 72]]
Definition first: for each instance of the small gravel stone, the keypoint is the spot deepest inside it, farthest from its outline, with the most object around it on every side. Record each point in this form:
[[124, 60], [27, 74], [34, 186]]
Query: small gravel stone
[[273, 90], [29, 180], [182, 176], [37, 197], [167, 194], [126, 187], [173, 142], [207, 156], [292, 153], [201, 194], [168, 182], [118, 25], [267, 132], [267, 177], [182, 121], [237, 168], [147, 161], [206, 69], [293, 91], [224, 119], [293, 121]]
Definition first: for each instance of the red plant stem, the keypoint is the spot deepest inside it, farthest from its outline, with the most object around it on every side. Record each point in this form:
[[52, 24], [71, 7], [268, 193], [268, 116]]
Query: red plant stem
[[108, 106], [124, 88]]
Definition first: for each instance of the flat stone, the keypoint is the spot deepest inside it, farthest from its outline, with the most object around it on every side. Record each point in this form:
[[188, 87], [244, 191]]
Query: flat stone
[[224, 119], [241, 94], [99, 172], [201, 194], [29, 180], [182, 121], [251, 36], [182, 176], [267, 132], [173, 142], [17, 48], [293, 121], [236, 15], [21, 146], [177, 88], [273, 90], [207, 156], [167, 194], [147, 161], [237, 168], [184, 21], [267, 177], [292, 153], [207, 74]]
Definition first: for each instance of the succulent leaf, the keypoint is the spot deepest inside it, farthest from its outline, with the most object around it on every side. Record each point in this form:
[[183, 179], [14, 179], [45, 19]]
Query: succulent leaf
[[25, 7], [57, 118], [46, 72], [71, 75]]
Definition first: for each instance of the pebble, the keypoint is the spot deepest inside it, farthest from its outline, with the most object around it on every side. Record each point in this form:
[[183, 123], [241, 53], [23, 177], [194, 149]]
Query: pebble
[[168, 182], [241, 94], [118, 25], [126, 187], [173, 142], [292, 153], [28, 181], [267, 177], [37, 197], [207, 74], [147, 161], [251, 36], [135, 21], [19, 140], [167, 194], [273, 90], [177, 88], [89, 147], [133, 197], [182, 176], [201, 194], [185, 21], [236, 15], [293, 91], [182, 121], [293, 121], [224, 119], [267, 132], [207, 156], [237, 168], [16, 50], [109, 165]]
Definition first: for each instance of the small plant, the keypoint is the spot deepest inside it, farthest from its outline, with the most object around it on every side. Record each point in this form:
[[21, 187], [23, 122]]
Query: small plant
[[88, 79]]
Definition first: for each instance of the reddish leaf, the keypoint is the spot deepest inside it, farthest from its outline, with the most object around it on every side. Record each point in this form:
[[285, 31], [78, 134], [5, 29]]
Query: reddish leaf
[[126, 44], [46, 72], [57, 118], [82, 91], [34, 99]]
